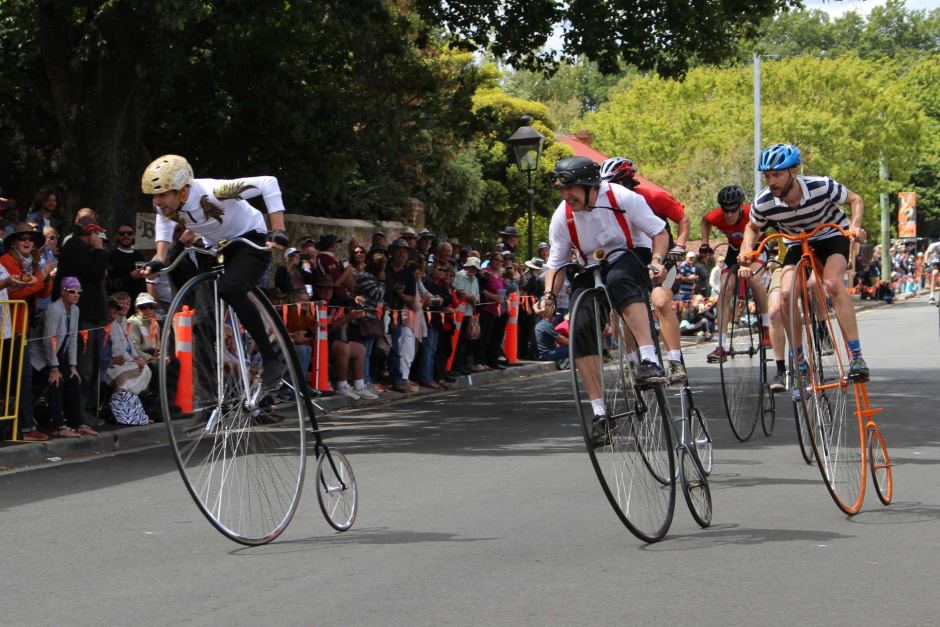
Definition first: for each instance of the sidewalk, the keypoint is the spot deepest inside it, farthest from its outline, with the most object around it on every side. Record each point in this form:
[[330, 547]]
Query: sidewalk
[[113, 438]]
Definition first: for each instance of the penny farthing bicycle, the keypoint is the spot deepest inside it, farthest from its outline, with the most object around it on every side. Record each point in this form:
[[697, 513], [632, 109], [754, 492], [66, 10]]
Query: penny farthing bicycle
[[240, 450]]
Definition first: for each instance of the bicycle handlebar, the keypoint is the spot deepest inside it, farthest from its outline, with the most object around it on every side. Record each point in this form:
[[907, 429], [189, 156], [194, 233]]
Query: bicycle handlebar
[[214, 251], [802, 236]]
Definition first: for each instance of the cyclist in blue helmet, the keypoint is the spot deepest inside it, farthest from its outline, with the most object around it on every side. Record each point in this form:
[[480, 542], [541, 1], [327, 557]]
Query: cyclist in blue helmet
[[794, 203]]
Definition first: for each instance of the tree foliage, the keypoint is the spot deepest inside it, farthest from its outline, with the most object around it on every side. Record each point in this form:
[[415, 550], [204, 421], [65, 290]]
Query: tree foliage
[[650, 34], [574, 89], [890, 30], [695, 136]]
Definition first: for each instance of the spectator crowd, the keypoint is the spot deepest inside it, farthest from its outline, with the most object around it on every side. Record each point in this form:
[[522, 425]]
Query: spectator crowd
[[403, 313]]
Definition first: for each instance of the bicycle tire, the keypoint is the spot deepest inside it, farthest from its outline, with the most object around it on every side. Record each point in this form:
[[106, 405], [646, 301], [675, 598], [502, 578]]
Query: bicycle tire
[[698, 495], [241, 454], [880, 464], [337, 491], [634, 442], [740, 378], [768, 410], [835, 429], [802, 426], [702, 441]]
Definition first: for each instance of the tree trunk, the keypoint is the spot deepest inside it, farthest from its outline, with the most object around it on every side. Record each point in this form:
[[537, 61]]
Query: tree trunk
[[101, 105]]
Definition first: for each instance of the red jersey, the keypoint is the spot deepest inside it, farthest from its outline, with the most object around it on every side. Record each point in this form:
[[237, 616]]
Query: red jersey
[[663, 204], [735, 232]]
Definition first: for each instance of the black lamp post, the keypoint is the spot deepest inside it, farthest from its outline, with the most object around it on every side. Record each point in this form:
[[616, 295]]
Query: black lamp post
[[526, 145]]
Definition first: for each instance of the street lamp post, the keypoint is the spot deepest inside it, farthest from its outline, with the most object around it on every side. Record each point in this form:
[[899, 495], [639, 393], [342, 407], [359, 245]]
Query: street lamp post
[[526, 144]]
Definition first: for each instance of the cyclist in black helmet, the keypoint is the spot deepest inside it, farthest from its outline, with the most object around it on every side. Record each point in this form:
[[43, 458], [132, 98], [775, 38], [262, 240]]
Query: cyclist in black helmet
[[596, 214]]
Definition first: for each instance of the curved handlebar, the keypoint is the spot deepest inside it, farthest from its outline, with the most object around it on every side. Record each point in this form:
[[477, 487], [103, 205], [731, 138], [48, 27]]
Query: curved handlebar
[[214, 251], [802, 236]]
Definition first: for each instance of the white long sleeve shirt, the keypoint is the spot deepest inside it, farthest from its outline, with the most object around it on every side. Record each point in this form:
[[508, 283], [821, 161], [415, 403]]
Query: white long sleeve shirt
[[599, 227], [200, 213]]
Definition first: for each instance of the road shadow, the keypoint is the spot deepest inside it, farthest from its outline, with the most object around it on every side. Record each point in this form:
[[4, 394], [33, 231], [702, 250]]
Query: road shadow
[[360, 536], [902, 513], [731, 533], [722, 481]]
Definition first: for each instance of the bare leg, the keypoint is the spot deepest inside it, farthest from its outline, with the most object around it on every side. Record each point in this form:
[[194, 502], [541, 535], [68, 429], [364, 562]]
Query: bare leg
[[668, 322], [833, 272], [778, 334]]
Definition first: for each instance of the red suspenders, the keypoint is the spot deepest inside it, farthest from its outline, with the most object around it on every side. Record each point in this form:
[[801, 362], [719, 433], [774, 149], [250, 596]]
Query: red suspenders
[[621, 220]]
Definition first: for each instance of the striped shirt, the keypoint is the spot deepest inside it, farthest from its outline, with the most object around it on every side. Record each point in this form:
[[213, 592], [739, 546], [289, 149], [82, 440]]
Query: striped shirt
[[821, 196]]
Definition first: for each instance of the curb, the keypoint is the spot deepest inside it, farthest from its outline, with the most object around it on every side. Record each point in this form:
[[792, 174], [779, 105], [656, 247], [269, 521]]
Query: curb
[[38, 454]]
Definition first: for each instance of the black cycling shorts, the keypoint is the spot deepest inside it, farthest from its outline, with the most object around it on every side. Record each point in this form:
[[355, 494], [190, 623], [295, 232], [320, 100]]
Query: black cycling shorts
[[824, 248], [627, 281]]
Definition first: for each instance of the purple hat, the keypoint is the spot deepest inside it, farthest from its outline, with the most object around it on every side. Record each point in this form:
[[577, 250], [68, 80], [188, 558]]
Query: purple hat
[[71, 283]]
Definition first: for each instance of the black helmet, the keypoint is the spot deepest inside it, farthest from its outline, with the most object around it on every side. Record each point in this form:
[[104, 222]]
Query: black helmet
[[731, 196], [575, 171]]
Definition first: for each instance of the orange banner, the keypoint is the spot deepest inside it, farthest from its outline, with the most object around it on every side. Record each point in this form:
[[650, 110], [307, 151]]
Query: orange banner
[[907, 214]]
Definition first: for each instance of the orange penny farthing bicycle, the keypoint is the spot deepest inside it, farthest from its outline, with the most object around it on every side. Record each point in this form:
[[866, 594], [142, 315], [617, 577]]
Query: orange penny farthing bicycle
[[842, 430]]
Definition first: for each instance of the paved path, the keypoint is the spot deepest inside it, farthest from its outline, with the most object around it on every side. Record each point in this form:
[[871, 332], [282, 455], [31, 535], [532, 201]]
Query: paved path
[[480, 507]]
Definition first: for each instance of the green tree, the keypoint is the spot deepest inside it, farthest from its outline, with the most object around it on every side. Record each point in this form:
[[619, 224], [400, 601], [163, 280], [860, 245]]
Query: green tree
[[574, 89], [694, 137], [657, 34]]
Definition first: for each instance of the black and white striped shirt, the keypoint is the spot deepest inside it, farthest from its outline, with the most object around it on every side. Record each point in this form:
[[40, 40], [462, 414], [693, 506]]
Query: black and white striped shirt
[[821, 197]]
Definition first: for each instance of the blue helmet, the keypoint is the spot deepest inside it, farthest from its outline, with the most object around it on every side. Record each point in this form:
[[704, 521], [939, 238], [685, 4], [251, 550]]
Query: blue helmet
[[779, 157]]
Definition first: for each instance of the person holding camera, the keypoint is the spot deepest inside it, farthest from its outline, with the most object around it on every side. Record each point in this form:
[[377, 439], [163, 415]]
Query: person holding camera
[[125, 264]]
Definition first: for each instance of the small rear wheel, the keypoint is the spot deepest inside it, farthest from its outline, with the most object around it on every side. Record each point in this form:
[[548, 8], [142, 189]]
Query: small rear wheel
[[880, 464], [336, 489], [695, 488], [768, 410], [740, 374]]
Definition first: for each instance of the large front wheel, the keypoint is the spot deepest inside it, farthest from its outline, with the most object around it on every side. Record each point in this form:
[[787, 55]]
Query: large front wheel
[[240, 450], [633, 458], [825, 394]]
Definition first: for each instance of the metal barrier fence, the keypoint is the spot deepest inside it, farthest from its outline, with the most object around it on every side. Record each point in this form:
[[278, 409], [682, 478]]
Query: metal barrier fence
[[12, 349]]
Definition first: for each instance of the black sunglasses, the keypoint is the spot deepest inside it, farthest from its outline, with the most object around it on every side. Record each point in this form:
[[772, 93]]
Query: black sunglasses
[[727, 209], [125, 232], [146, 306], [76, 292]]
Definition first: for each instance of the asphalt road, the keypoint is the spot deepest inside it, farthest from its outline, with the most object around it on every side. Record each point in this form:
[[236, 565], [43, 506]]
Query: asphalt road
[[481, 507]]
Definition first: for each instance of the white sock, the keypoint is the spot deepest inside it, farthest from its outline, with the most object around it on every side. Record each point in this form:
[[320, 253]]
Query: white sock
[[600, 409], [721, 340], [649, 352], [676, 355], [765, 319], [342, 385], [359, 384]]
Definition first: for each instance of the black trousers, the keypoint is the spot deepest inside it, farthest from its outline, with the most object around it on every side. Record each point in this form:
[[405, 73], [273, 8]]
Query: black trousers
[[65, 399], [492, 328]]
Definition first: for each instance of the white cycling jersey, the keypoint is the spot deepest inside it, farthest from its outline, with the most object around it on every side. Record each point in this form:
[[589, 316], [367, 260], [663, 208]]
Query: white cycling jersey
[[218, 209]]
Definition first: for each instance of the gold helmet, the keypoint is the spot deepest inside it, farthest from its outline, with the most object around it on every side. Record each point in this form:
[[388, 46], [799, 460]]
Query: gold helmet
[[169, 172]]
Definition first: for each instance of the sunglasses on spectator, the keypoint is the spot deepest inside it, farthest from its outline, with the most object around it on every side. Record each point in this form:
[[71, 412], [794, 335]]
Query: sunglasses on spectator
[[146, 306], [125, 232], [24, 238], [75, 292]]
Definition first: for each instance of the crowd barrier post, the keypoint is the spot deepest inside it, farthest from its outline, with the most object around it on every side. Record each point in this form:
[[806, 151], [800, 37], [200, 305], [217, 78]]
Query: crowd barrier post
[[511, 336], [183, 331], [320, 373], [455, 338], [12, 350]]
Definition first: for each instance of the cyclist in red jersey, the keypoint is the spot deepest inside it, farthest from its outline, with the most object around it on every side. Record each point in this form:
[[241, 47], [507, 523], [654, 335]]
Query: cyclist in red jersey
[[731, 218], [665, 206]]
